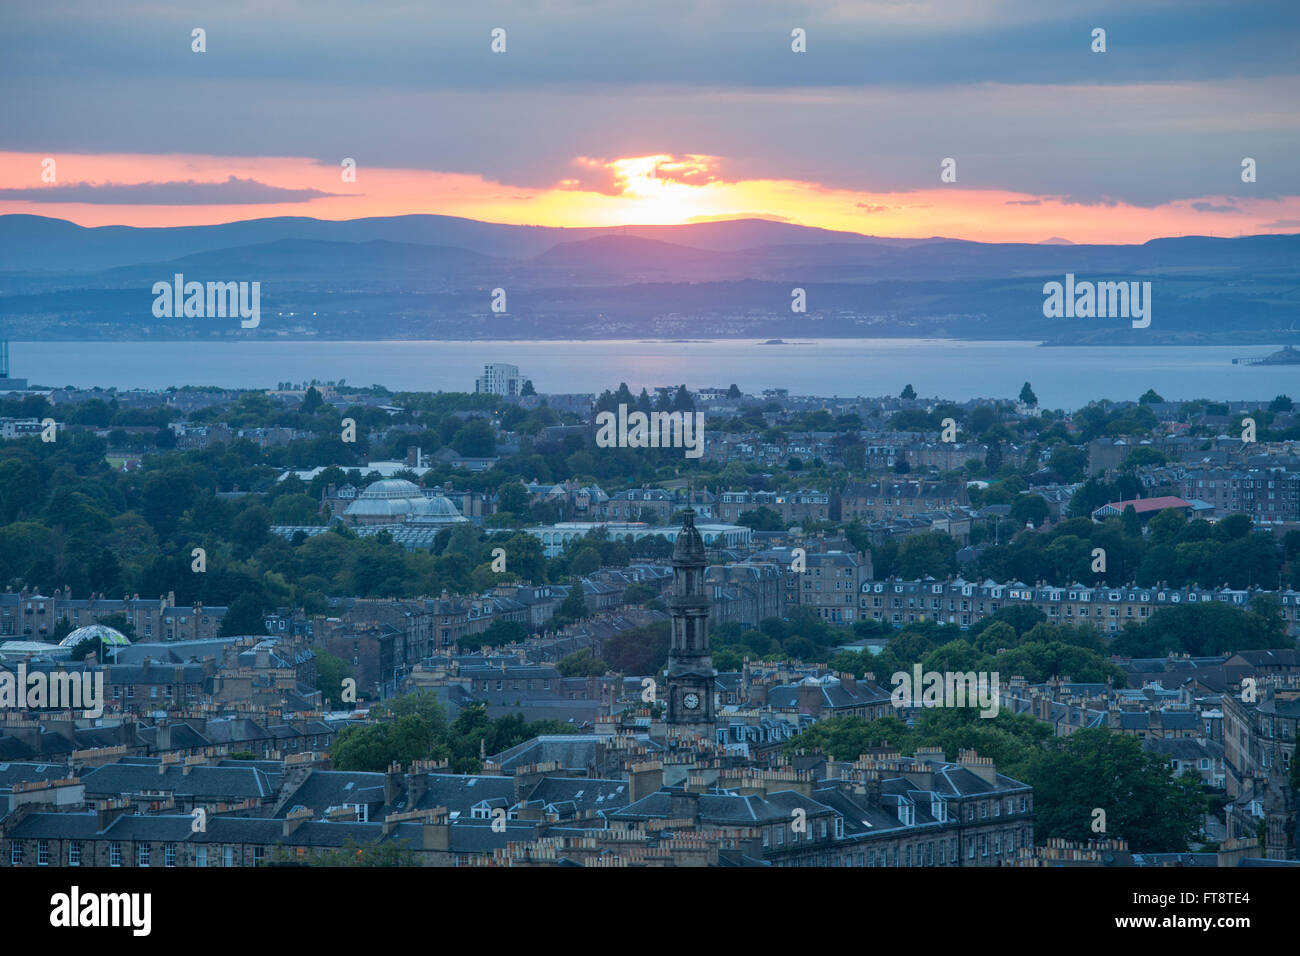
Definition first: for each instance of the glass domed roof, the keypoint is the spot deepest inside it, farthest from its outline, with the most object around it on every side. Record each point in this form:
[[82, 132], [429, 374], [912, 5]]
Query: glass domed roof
[[435, 510], [91, 631], [389, 497]]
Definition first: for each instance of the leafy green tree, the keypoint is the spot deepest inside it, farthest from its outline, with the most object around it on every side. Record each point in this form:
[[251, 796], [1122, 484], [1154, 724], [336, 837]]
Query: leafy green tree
[[1142, 456], [1232, 528], [1198, 630], [1019, 617], [573, 607], [1069, 462], [330, 674], [373, 747], [512, 497], [932, 552], [1030, 509], [1132, 523], [1145, 803], [1007, 738], [312, 402], [582, 663], [244, 616], [1027, 395], [639, 594], [761, 519], [1164, 528], [847, 738], [908, 393], [496, 634], [585, 561], [475, 439], [252, 529], [295, 509]]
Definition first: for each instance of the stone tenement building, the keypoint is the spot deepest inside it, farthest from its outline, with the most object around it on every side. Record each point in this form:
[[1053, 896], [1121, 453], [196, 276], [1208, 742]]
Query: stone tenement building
[[830, 582], [1259, 736], [1267, 495], [794, 507], [1108, 608], [637, 504], [882, 810], [745, 593], [30, 614], [884, 500]]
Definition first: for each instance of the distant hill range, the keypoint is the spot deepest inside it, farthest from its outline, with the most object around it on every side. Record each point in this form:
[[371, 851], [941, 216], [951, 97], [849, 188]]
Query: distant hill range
[[432, 277]]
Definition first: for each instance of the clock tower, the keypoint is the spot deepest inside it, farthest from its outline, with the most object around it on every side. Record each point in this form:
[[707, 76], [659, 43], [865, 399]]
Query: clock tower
[[690, 662]]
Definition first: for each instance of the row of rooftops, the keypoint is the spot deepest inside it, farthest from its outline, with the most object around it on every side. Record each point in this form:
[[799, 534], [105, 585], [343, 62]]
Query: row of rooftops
[[872, 797], [63, 601], [45, 741], [1161, 593]]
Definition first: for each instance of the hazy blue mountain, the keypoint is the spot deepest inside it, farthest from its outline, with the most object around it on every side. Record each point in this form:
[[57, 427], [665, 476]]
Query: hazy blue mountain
[[432, 276], [36, 243]]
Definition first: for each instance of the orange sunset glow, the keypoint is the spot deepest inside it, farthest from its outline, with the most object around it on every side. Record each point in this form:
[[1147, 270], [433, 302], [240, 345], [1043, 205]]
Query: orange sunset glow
[[656, 189]]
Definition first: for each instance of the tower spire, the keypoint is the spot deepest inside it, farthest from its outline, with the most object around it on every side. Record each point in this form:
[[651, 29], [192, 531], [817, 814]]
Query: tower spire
[[690, 661]]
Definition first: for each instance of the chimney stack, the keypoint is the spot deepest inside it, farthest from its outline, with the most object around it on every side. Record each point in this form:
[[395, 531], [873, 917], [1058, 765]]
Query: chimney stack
[[296, 819]]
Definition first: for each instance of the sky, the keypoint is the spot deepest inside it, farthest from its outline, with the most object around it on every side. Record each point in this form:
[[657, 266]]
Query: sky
[[602, 113]]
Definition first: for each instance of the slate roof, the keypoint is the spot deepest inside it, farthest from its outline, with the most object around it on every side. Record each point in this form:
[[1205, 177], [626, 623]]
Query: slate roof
[[184, 737], [727, 809], [226, 730], [11, 748], [12, 773], [581, 794], [859, 821], [1185, 748], [570, 751], [1281, 708], [458, 793], [955, 780], [833, 692], [203, 781], [323, 789], [477, 836], [63, 826]]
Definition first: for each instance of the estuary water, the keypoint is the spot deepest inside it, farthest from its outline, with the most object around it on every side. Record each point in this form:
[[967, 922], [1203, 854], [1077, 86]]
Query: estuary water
[[1061, 377]]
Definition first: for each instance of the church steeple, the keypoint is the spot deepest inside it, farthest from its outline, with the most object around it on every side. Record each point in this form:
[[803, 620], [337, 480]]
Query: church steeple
[[690, 660]]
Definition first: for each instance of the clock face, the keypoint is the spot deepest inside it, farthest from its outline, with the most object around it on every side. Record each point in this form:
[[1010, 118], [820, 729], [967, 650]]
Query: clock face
[[691, 701]]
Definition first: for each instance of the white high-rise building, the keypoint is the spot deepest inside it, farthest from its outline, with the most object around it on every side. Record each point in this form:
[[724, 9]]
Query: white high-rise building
[[499, 379]]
